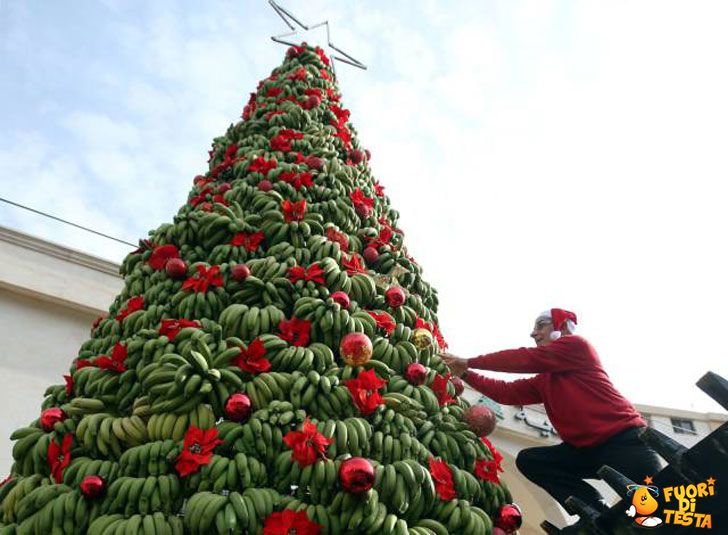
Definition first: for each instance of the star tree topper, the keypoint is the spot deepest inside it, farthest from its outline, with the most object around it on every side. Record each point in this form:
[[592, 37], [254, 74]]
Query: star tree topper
[[290, 20]]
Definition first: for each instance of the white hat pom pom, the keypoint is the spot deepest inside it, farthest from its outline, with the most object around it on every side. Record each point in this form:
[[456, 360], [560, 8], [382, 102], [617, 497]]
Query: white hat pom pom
[[555, 335]]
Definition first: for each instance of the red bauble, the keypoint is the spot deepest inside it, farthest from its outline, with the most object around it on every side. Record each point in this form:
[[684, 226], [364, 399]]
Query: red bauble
[[459, 385], [356, 156], [356, 475], [176, 268], [356, 349], [369, 154], [314, 162], [240, 272], [225, 186], [92, 487], [509, 518], [341, 298], [363, 210], [498, 531], [265, 185], [238, 407], [313, 102], [49, 417], [480, 419], [395, 296], [416, 374], [371, 255]]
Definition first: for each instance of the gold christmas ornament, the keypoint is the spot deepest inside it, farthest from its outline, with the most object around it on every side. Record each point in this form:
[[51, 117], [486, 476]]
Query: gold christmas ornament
[[422, 338]]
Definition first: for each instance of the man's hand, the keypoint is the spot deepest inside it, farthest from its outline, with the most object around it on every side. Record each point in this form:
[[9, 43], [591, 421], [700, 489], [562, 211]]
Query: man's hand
[[456, 364]]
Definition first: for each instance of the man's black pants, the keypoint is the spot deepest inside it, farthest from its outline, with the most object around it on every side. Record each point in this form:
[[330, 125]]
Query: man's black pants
[[561, 469]]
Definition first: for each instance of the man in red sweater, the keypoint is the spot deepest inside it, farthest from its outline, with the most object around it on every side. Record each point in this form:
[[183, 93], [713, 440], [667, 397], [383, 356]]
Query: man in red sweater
[[597, 425]]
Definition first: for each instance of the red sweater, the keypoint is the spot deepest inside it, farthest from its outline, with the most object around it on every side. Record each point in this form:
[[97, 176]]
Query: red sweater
[[581, 402]]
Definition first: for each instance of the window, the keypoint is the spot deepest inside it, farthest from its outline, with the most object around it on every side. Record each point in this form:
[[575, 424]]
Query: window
[[682, 427]]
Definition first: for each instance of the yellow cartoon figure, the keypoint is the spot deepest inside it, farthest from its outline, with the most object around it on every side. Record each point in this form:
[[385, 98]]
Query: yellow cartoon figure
[[644, 504]]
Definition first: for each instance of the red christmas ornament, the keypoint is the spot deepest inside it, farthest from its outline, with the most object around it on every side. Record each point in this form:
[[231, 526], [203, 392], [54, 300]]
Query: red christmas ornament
[[371, 255], [49, 417], [458, 384], [368, 154], [342, 299], [265, 185], [363, 210], [238, 407], [498, 531], [313, 102], [356, 475], [395, 296], [240, 272], [356, 156], [225, 186], [92, 487], [314, 162], [416, 374], [480, 419], [356, 349], [176, 268], [509, 518]]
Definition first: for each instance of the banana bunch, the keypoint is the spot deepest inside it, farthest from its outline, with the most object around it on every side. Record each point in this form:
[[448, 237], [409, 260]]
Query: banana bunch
[[82, 467], [363, 289], [96, 383], [321, 247], [222, 473], [338, 211], [211, 513], [418, 397], [284, 250], [247, 323], [54, 509], [147, 318], [391, 419], [226, 253], [268, 268], [316, 356], [386, 448], [410, 413], [28, 452], [150, 459], [330, 524], [190, 305], [13, 492], [103, 433], [144, 495], [260, 439], [407, 489], [277, 230], [169, 425], [351, 436], [459, 517], [215, 229], [250, 293], [266, 387], [396, 356], [364, 514], [315, 483], [158, 295], [153, 524]]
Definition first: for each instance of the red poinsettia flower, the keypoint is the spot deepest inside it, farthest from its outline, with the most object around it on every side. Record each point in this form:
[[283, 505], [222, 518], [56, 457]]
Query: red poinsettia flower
[[297, 179], [357, 197], [300, 74], [251, 241], [338, 237], [274, 91], [307, 445], [197, 450], [59, 456], [294, 211], [261, 165], [294, 50], [365, 391], [497, 457], [204, 278], [324, 74], [82, 363], [330, 93], [488, 470], [161, 255], [115, 362], [314, 273], [252, 360], [353, 265], [345, 136], [384, 321], [310, 91], [295, 331], [200, 198], [438, 336], [439, 387], [297, 157], [272, 114], [422, 324], [132, 305], [144, 245], [442, 476], [171, 328], [378, 189], [322, 56], [69, 385], [281, 144], [97, 322], [342, 115], [289, 522]]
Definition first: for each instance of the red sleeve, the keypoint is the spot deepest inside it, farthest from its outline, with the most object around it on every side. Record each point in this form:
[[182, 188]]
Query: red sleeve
[[519, 392], [566, 353]]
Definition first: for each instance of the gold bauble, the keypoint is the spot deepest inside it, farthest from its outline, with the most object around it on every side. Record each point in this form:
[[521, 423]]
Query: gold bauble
[[422, 338], [356, 349]]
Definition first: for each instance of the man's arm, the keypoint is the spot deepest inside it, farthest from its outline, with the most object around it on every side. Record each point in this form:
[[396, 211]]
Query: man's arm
[[568, 353], [519, 392]]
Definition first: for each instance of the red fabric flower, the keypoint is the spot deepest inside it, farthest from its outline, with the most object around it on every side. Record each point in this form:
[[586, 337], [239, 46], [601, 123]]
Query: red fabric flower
[[272, 114], [497, 457], [294, 211], [338, 237], [439, 387], [332, 96], [378, 189], [200, 198], [322, 56], [115, 362], [261, 165], [82, 363], [488, 470], [307, 445], [197, 450], [312, 91], [144, 245], [59, 456], [205, 278], [345, 136], [357, 197], [294, 50], [365, 391], [384, 321], [297, 179], [324, 74], [314, 273], [69, 385], [161, 255], [281, 144], [250, 241], [353, 264], [295, 331], [171, 328], [289, 522], [132, 305], [442, 476], [274, 92], [438, 336], [300, 74], [252, 360], [342, 115]]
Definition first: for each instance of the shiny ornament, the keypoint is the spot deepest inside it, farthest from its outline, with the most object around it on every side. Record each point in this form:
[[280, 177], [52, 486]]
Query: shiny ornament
[[356, 156], [416, 374], [371, 255], [363, 210], [240, 272], [49, 418], [314, 162], [176, 268], [238, 407], [314, 101], [498, 531], [356, 475], [480, 419], [265, 185], [342, 299], [225, 186], [422, 338], [395, 296], [508, 518], [92, 487], [459, 385], [368, 154], [356, 349]]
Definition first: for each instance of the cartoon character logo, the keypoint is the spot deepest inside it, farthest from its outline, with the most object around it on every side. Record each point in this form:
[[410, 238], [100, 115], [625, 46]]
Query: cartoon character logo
[[644, 504]]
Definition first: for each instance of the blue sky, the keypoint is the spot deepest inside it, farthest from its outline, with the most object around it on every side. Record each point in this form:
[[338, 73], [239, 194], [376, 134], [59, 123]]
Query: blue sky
[[541, 154]]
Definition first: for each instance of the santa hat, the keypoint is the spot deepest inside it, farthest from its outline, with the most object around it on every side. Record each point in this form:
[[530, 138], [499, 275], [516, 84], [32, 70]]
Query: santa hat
[[562, 320]]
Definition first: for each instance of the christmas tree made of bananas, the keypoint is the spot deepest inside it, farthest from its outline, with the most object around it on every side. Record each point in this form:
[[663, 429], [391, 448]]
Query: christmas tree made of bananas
[[227, 337]]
